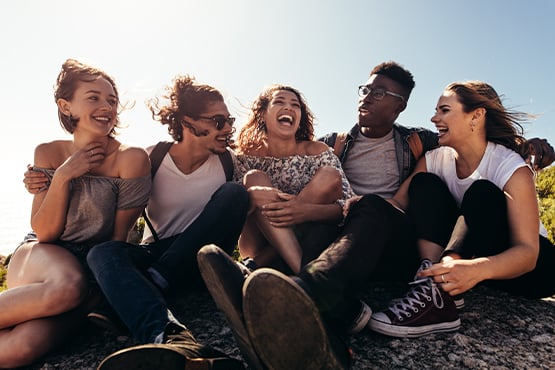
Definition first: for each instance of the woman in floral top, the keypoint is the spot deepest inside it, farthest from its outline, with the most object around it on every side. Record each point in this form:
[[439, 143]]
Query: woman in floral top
[[291, 178]]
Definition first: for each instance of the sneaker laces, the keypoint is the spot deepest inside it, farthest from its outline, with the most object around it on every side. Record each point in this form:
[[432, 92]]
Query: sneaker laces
[[424, 291]]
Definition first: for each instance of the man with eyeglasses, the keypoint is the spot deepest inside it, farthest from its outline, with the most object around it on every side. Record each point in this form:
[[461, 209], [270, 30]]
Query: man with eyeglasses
[[374, 242]]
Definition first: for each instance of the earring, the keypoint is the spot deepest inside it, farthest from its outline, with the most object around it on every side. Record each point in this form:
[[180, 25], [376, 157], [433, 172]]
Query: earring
[[472, 125]]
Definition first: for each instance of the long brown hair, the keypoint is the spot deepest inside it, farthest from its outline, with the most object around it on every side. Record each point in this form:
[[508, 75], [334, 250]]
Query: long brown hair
[[503, 126]]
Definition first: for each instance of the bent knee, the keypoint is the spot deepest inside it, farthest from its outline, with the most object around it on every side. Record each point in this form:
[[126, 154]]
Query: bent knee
[[329, 185], [256, 178], [234, 192], [64, 292]]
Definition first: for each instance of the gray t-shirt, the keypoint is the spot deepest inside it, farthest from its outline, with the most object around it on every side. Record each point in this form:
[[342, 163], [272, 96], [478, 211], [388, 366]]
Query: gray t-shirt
[[93, 202], [371, 166]]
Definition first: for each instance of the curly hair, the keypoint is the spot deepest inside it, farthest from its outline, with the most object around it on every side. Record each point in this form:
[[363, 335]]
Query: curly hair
[[186, 97], [67, 82], [503, 126], [253, 134]]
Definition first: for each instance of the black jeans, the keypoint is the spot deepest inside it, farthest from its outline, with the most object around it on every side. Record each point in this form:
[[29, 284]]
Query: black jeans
[[375, 242], [433, 213]]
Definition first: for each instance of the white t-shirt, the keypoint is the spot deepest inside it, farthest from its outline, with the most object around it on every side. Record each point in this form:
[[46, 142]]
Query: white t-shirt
[[178, 199], [497, 165]]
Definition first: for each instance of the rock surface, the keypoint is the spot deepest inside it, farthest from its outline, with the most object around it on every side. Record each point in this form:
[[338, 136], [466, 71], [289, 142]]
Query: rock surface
[[498, 332]]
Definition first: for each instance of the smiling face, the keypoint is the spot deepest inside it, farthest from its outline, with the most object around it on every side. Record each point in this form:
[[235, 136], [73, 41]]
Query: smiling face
[[93, 107], [454, 125], [283, 114], [209, 136], [376, 117]]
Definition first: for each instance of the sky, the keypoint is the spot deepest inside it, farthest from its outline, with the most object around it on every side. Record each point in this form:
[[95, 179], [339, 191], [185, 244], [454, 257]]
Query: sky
[[324, 48]]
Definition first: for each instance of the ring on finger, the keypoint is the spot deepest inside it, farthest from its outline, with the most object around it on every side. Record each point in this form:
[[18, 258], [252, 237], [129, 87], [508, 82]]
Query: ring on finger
[[92, 152], [443, 279]]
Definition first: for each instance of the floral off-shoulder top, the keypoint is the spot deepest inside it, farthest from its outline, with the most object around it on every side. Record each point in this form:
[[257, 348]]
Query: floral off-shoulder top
[[291, 174]]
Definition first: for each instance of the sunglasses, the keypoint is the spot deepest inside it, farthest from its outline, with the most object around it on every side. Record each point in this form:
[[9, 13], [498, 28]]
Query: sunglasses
[[220, 120]]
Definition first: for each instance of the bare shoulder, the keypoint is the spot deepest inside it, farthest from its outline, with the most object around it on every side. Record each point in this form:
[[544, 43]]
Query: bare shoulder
[[52, 154], [132, 161], [315, 147]]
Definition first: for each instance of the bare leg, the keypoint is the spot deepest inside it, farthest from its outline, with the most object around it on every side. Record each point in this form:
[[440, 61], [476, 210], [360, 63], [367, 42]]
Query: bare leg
[[324, 188], [254, 245], [25, 343], [283, 239], [433, 251], [429, 250], [43, 280]]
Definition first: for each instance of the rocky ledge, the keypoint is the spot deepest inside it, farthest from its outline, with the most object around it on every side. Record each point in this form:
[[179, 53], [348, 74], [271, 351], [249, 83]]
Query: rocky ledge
[[498, 332]]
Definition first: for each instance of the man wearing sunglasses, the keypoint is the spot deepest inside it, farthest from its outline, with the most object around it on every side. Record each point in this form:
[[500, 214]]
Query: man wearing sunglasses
[[192, 203], [374, 241]]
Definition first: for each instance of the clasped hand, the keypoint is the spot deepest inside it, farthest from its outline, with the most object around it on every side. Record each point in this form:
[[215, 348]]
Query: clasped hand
[[281, 209]]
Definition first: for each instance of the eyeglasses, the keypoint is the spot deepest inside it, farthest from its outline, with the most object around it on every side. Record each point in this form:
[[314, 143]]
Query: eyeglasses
[[377, 94], [220, 120]]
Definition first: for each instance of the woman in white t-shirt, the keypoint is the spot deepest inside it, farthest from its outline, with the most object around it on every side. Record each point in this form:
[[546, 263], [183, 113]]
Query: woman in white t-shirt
[[473, 206]]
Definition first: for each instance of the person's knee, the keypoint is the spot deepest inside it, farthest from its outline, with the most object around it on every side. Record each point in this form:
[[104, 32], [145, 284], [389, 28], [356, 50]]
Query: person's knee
[[371, 200], [327, 181], [232, 199], [64, 291], [256, 178], [483, 194], [234, 192], [425, 183], [483, 188]]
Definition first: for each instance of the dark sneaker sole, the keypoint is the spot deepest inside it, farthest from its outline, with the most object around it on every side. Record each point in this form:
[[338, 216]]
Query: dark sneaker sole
[[224, 280], [163, 356], [284, 324], [393, 330]]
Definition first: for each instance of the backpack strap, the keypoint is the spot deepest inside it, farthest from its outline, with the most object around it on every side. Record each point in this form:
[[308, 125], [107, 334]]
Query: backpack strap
[[227, 164], [339, 143], [415, 145], [156, 156]]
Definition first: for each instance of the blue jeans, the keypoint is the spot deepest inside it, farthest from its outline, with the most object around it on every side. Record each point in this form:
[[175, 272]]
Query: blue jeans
[[120, 268]]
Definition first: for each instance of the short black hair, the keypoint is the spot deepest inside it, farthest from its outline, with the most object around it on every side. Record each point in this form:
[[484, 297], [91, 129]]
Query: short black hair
[[397, 73]]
